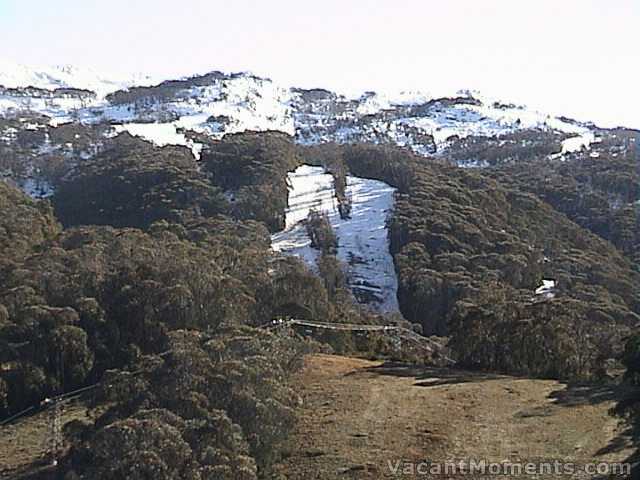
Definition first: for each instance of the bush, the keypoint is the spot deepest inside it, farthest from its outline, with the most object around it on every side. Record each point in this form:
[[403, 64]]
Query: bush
[[133, 184]]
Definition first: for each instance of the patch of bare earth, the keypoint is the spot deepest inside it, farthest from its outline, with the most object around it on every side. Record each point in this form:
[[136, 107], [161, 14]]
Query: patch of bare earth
[[359, 418]]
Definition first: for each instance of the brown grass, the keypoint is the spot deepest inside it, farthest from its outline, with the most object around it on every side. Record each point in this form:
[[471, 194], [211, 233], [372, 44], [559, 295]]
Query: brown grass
[[357, 415], [25, 445]]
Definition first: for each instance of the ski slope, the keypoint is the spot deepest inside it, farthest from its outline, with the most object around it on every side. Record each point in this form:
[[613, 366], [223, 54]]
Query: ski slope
[[363, 244]]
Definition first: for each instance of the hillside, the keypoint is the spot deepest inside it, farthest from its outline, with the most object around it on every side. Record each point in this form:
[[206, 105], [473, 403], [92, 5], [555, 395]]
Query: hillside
[[190, 111], [363, 419], [157, 238]]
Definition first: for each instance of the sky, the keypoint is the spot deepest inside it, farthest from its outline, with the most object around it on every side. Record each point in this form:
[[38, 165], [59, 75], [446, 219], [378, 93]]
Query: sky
[[578, 58]]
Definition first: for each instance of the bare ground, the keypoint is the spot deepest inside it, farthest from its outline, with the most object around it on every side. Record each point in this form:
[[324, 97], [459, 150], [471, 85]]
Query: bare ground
[[359, 415], [25, 446]]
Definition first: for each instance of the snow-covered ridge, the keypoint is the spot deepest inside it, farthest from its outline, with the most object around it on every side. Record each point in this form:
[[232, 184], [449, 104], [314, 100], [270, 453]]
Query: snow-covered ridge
[[216, 104], [13, 75], [427, 127], [363, 244]]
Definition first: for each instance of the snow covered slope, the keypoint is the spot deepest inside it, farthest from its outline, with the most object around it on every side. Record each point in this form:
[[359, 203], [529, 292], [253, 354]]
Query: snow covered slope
[[310, 189], [363, 244], [464, 127], [160, 134], [13, 75], [425, 125], [217, 103]]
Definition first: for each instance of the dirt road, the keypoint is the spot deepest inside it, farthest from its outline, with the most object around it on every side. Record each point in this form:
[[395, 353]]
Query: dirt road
[[360, 418]]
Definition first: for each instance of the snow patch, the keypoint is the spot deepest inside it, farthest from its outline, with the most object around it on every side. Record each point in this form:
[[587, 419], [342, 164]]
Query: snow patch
[[310, 189], [363, 244], [37, 188], [160, 134], [547, 289], [576, 144]]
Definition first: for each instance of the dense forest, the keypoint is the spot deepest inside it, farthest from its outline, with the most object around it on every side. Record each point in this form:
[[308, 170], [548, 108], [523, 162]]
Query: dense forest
[[471, 246], [148, 273]]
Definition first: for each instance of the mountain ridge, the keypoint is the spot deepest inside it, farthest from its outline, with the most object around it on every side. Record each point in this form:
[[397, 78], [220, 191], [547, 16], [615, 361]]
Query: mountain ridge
[[217, 103]]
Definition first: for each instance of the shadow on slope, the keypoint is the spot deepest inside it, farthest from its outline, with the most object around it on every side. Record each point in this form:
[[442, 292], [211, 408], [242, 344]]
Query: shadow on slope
[[429, 376]]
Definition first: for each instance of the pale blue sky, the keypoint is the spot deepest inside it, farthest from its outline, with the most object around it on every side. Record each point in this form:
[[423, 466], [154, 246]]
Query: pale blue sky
[[578, 57]]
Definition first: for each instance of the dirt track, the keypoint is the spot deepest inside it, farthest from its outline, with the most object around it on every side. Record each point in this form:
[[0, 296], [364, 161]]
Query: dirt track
[[359, 415]]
